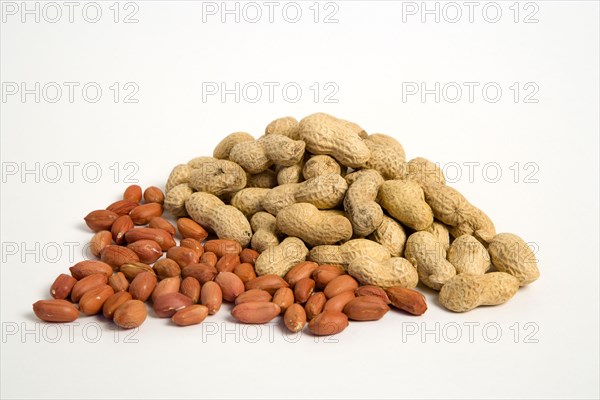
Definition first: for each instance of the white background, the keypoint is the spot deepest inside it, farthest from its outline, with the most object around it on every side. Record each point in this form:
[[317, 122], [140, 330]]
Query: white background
[[548, 334]]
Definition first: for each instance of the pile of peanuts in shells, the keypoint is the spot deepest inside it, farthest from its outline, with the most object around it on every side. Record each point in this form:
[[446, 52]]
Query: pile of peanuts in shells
[[316, 221]]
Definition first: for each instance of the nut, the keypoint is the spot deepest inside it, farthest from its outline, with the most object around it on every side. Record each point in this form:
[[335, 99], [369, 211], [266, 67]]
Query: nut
[[231, 285], [283, 297], [337, 303], [300, 271], [120, 227], [344, 254], [194, 245], [425, 252], [360, 203], [209, 258], [224, 147], [86, 284], [314, 305], [512, 255], [245, 272], [55, 310], [286, 126], [324, 274], [113, 302], [191, 288], [424, 172], [183, 256], [396, 271], [153, 194], [161, 223], [390, 234], [468, 256], [190, 229], [89, 267], [264, 226], [314, 227], [249, 200], [220, 247], [115, 256], [466, 292], [130, 314], [387, 156], [407, 300], [211, 296], [253, 295], [167, 285], [202, 272], [118, 282], [258, 156], [99, 241], [270, 283], [228, 262], [256, 312], [165, 268], [404, 200], [216, 177], [249, 256], [190, 315], [131, 270], [328, 323], [294, 318], [92, 301], [166, 305], [370, 290], [339, 285], [142, 286], [148, 251], [278, 260], [133, 193], [160, 236], [122, 207], [142, 214], [62, 286], [366, 308], [303, 290], [100, 220]]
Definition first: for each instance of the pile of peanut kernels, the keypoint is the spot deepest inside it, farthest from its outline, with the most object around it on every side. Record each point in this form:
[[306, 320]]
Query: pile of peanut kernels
[[315, 220]]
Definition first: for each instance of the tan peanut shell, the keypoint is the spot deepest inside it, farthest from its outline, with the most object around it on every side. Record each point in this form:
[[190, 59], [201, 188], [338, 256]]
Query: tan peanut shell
[[278, 260], [360, 202], [286, 126], [510, 254], [314, 227], [226, 221], [324, 192], [468, 256], [264, 226], [249, 200], [260, 155], [465, 292], [387, 156], [440, 231], [425, 252], [321, 165], [477, 224], [424, 172], [175, 199], [266, 180], [396, 271], [218, 177], [180, 174], [345, 253], [404, 200], [391, 235], [224, 147], [325, 134], [291, 174]]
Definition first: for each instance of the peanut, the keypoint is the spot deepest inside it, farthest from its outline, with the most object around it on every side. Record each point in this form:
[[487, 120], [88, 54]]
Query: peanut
[[278, 260], [510, 254], [264, 226], [313, 226], [387, 156], [260, 155], [396, 271], [466, 292], [405, 201], [347, 252], [360, 202], [468, 256], [425, 252]]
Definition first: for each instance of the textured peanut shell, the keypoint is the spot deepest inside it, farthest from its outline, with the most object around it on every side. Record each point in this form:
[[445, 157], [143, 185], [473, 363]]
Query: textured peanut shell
[[404, 200], [347, 252], [448, 205], [387, 156], [250, 156], [324, 192], [249, 200], [424, 172], [478, 224], [291, 174], [360, 203], [278, 260], [218, 177], [425, 252], [440, 231], [175, 199], [180, 174], [265, 231], [286, 126], [314, 227], [224, 147], [465, 292], [468, 256], [226, 221], [510, 254], [258, 156], [321, 165], [396, 271], [325, 134], [391, 235], [266, 180]]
